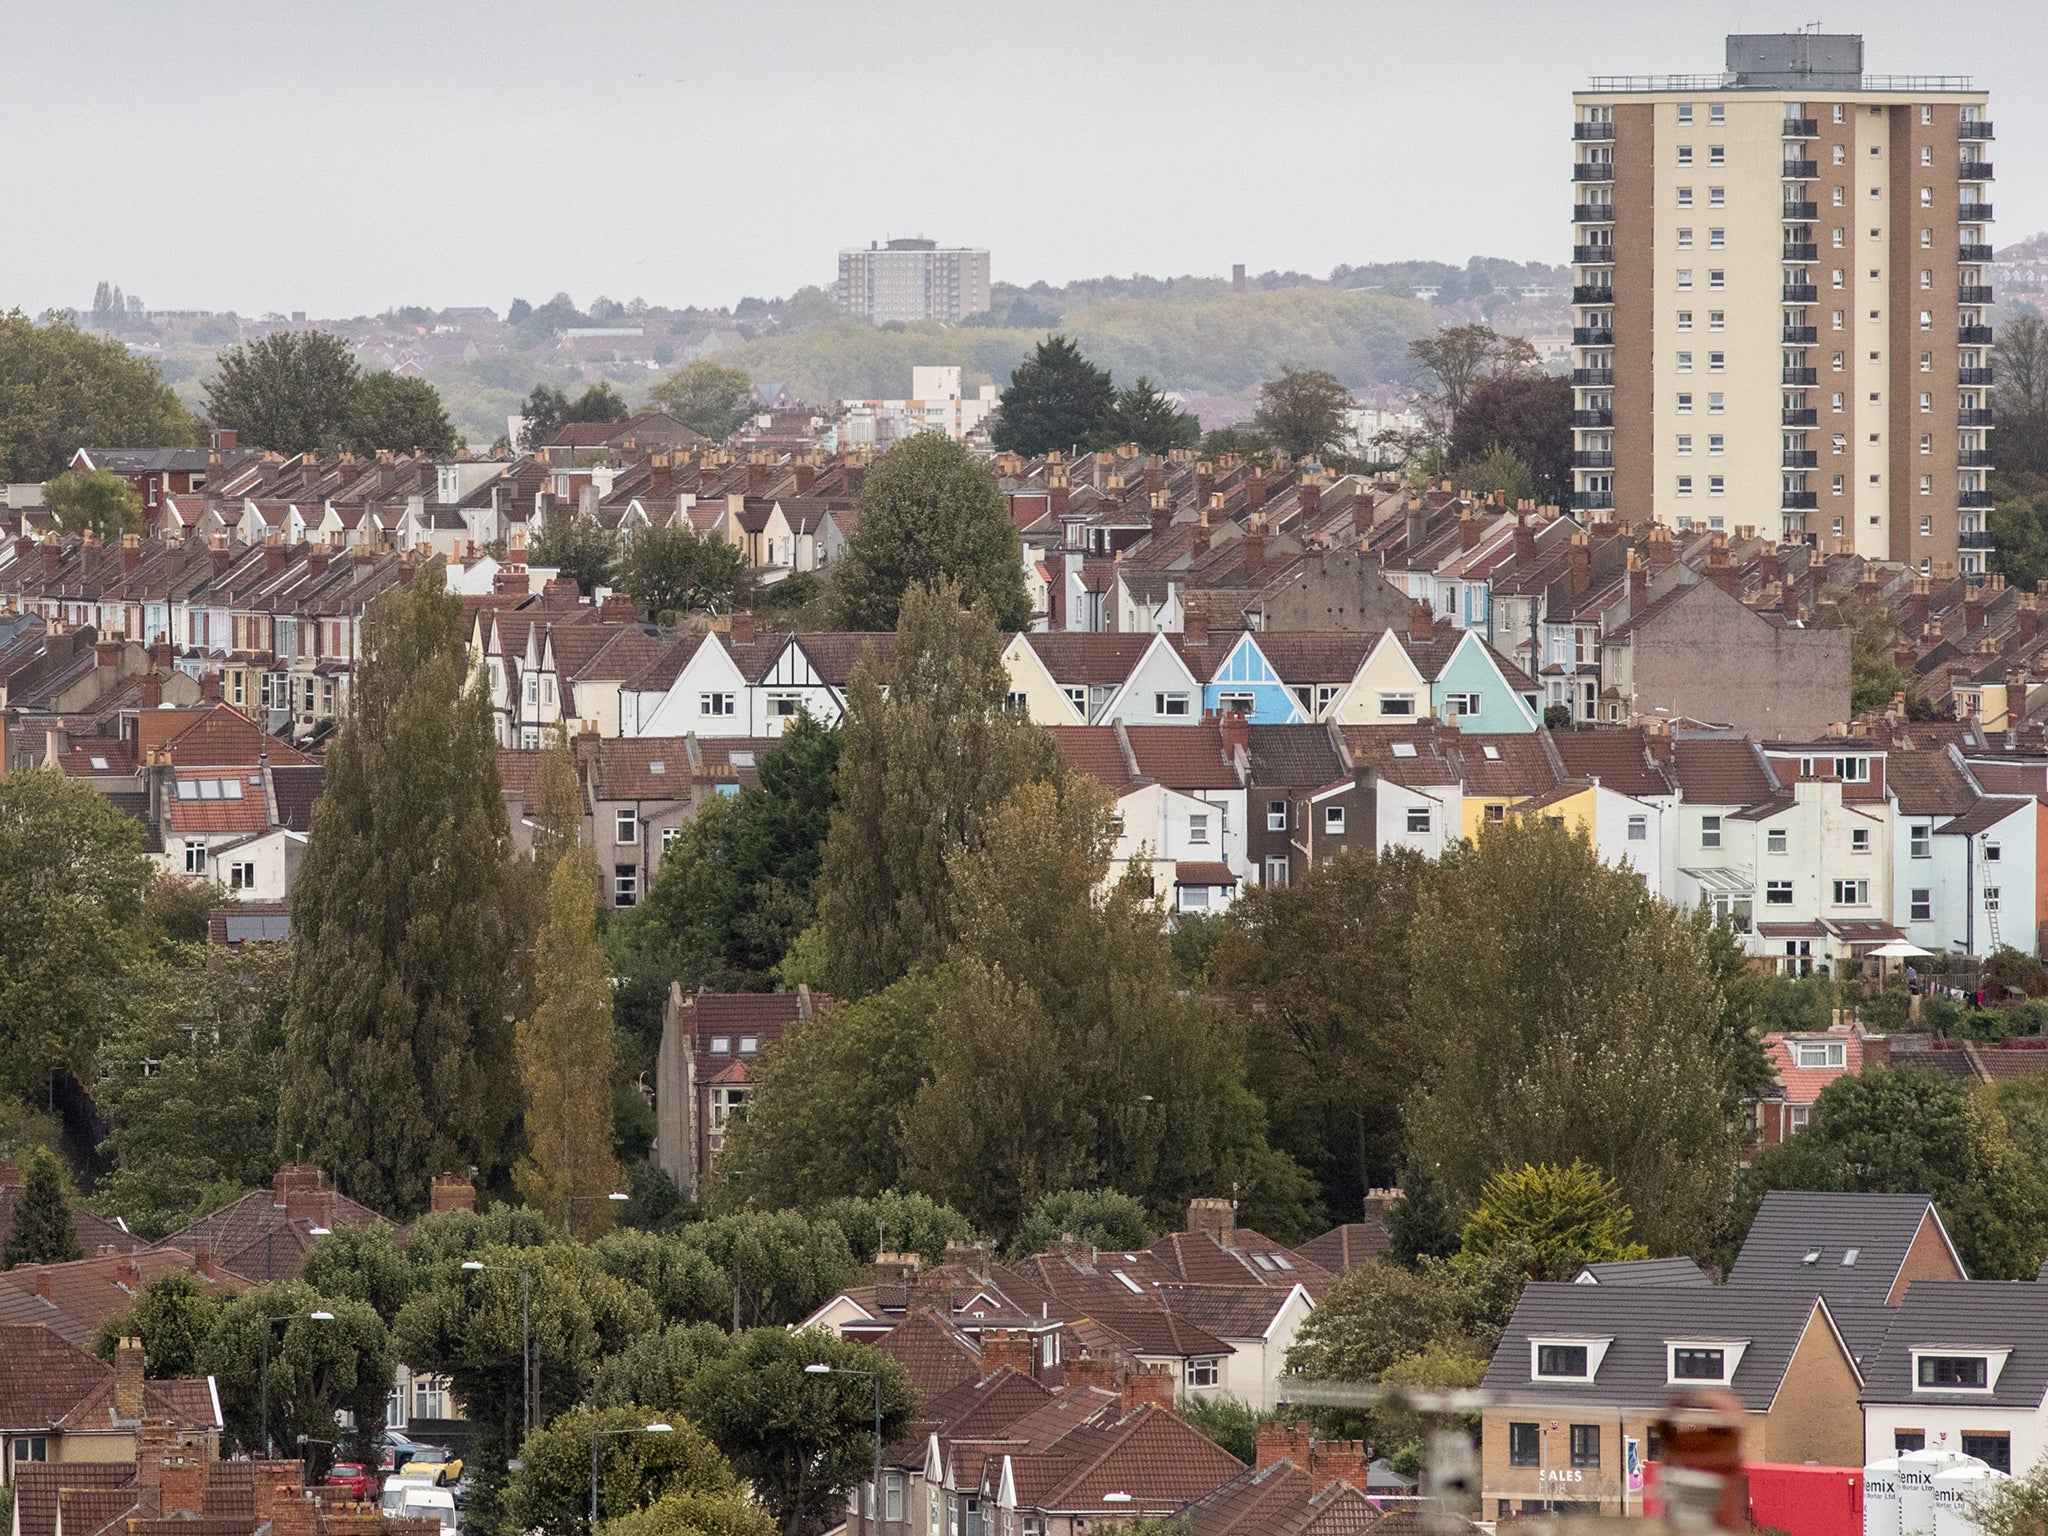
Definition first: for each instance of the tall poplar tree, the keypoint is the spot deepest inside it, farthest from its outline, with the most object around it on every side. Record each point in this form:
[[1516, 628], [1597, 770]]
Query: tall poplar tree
[[927, 749], [565, 1060], [398, 1035], [43, 1232]]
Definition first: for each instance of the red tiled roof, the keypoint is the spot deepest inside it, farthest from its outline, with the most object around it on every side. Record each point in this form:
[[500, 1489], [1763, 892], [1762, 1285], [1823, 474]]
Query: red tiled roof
[[187, 813], [1103, 660], [936, 1356], [1984, 815], [1183, 756], [38, 1486], [1802, 1085], [1095, 751], [44, 1376], [1720, 770], [1194, 872], [585, 434], [222, 738], [79, 1296], [641, 768], [1619, 759]]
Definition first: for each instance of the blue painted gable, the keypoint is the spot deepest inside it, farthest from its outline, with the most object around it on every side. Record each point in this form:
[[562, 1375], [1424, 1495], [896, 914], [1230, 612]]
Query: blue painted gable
[[1246, 673], [1471, 671]]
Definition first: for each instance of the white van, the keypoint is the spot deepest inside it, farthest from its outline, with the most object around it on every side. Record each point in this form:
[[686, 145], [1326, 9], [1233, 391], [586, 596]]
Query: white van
[[402, 1500]]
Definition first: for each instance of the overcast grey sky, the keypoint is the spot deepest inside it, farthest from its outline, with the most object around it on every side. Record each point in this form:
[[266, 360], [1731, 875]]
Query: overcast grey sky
[[343, 157]]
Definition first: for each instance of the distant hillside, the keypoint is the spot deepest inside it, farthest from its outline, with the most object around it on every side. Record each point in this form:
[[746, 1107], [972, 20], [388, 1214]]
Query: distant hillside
[[1222, 343]]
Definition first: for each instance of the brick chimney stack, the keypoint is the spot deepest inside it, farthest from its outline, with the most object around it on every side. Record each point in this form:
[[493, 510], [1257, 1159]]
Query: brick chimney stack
[[1581, 562], [1255, 537], [1421, 622], [1216, 1217], [1148, 1384], [1085, 1370], [1201, 536], [209, 688], [451, 1192], [1004, 1346], [53, 557], [1205, 481], [1236, 727], [1280, 1441], [742, 626], [2027, 617], [1255, 491], [1311, 495], [129, 1366]]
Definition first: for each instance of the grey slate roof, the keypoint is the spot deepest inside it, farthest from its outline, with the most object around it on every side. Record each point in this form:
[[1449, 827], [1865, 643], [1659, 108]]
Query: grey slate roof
[[1640, 1321], [1679, 1271], [1792, 1224], [1963, 1315], [1294, 755]]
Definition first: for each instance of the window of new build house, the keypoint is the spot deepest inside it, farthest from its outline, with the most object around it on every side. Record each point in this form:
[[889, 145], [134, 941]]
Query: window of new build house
[[1169, 704], [1585, 1445], [1562, 1362], [1333, 819], [1710, 831], [1525, 1445], [1418, 818], [1198, 829], [1994, 1449], [1778, 893], [1904, 1440], [1953, 1372], [1691, 1362]]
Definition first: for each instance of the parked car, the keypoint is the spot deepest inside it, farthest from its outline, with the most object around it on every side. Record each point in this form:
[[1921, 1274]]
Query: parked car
[[396, 1451], [360, 1482], [404, 1500]]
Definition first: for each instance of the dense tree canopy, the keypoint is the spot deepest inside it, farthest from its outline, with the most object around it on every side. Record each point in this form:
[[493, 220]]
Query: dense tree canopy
[[1528, 415], [62, 389], [398, 1016], [707, 397], [303, 392], [42, 1231], [1143, 415], [1302, 411], [578, 546], [676, 570], [930, 513], [1056, 400], [94, 501], [1562, 1219]]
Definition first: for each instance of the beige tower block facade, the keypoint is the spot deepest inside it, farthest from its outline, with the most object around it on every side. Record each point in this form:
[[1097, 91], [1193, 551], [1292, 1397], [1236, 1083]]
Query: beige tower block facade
[[1781, 302]]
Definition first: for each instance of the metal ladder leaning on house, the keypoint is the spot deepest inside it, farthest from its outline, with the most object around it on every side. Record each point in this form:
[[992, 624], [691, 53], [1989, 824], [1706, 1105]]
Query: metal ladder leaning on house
[[1990, 911]]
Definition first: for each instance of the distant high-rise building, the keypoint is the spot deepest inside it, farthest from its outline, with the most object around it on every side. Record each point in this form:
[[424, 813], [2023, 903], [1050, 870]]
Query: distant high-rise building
[[913, 280], [1780, 302]]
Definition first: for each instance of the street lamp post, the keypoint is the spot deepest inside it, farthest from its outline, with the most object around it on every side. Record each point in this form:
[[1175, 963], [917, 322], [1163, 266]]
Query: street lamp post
[[599, 1434], [875, 1378], [525, 1333], [617, 1197], [268, 1323]]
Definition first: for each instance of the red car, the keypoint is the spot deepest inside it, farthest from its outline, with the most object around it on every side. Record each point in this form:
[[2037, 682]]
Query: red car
[[353, 1476]]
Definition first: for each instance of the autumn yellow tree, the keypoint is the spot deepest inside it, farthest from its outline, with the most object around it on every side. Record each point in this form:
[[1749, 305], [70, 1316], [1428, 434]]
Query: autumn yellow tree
[[565, 1060]]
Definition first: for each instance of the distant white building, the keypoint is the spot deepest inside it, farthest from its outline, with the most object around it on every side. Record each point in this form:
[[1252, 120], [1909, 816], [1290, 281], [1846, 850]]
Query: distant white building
[[912, 280], [936, 405]]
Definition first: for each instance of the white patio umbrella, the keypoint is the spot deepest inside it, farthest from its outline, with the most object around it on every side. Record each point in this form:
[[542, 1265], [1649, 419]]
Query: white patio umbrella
[[1899, 949]]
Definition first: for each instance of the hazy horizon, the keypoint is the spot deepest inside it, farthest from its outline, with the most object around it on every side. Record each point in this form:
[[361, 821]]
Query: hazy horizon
[[231, 156]]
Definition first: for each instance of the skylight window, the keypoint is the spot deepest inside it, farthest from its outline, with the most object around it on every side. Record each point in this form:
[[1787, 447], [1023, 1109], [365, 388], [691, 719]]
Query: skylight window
[[657, 766], [1404, 749], [1129, 1284], [1812, 1256], [1492, 752], [742, 759], [99, 763], [1849, 1257]]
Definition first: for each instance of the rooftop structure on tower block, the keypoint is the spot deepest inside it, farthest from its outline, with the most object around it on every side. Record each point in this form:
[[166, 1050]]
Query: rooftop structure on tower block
[[1782, 302]]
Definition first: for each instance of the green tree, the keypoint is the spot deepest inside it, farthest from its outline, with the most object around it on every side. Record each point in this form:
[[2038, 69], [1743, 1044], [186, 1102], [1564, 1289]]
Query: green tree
[[780, 1266], [361, 1263], [2020, 445], [660, 1370], [62, 388], [72, 876], [1419, 1224], [828, 1102], [42, 1232], [1302, 411], [1497, 469], [551, 1493], [94, 501], [1599, 1037], [1317, 974], [1057, 400], [1526, 416], [290, 391], [707, 397], [579, 546], [398, 1017], [173, 1318], [318, 1368], [565, 1060], [1874, 675], [466, 1323], [1562, 1218], [1231, 1422], [545, 410], [1908, 1130], [1143, 415], [192, 1110], [401, 414], [1044, 969], [930, 513], [1379, 1314], [897, 1221], [740, 882], [2014, 1506], [693, 1514], [676, 570], [800, 1440], [1453, 362], [1106, 1218], [927, 747]]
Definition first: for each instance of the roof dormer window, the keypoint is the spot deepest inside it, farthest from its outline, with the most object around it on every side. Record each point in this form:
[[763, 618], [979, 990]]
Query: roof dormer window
[[1566, 1359], [1700, 1362], [1937, 1370]]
